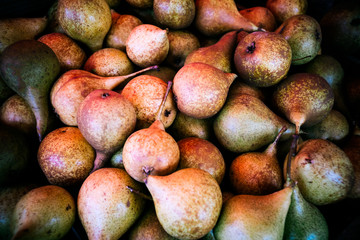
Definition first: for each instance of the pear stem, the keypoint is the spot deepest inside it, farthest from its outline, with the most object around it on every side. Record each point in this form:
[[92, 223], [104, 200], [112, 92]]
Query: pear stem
[[271, 150], [143, 195], [292, 152], [164, 100]]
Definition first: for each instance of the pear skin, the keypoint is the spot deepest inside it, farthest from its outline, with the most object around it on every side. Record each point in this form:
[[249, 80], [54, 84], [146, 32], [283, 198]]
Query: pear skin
[[261, 16], [187, 202], [106, 207], [284, 9]]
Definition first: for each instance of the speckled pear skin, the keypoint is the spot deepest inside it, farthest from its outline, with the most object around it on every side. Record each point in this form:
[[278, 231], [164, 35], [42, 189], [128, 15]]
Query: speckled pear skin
[[219, 55], [245, 124], [263, 59], [106, 207], [46, 212], [303, 34], [187, 202], [218, 17], [87, 21], [254, 217], [330, 170], [304, 220], [200, 89], [304, 98], [284, 9], [30, 68]]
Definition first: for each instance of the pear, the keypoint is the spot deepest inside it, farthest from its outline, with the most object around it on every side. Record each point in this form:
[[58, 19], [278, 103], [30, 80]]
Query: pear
[[165, 73], [116, 159], [16, 112], [174, 14], [69, 53], [65, 157], [187, 202], [303, 34], [146, 93], [254, 217], [263, 59], [140, 3], [246, 124], [284, 9], [261, 16], [200, 89], [147, 45], [334, 127], [322, 170], [87, 21], [53, 25], [304, 98], [46, 212], [218, 17], [121, 26], [185, 126], [106, 207], [16, 29], [148, 227], [219, 55], [200, 153], [109, 62], [73, 86], [105, 119], [238, 87], [5, 91], [257, 173], [151, 151], [304, 220], [113, 3], [30, 67], [181, 44]]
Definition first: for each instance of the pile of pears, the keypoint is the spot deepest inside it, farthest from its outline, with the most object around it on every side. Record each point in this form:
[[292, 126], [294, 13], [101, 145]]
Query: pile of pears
[[192, 119]]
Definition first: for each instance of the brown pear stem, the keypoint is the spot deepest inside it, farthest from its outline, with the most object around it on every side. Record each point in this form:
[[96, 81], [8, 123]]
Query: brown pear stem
[[143, 195], [164, 100], [271, 150], [292, 153]]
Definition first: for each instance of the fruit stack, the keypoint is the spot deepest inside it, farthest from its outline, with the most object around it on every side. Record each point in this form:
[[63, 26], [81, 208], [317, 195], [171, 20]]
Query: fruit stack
[[180, 119]]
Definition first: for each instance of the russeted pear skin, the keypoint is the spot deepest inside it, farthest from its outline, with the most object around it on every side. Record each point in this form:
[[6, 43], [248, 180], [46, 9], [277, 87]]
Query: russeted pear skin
[[284, 9], [254, 217], [200, 89], [187, 202]]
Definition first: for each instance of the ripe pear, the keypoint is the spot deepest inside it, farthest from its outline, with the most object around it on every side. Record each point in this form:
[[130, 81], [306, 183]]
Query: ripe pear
[[109, 62], [87, 21], [218, 17], [304, 98], [181, 44], [322, 170], [303, 34], [120, 30], [106, 207], [284, 9], [257, 173], [261, 16], [146, 93], [16, 112], [174, 14], [238, 87], [263, 59], [200, 89], [65, 157], [245, 124], [304, 220], [46, 212], [151, 151], [147, 45], [69, 53], [187, 202], [219, 55], [73, 86], [105, 119], [200, 153], [165, 73], [29, 68], [254, 217], [16, 29]]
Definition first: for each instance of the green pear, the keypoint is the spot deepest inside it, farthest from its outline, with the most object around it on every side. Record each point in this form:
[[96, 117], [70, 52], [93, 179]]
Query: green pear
[[16, 29], [219, 55], [30, 67], [87, 21], [304, 220], [254, 217], [284, 9], [106, 207], [187, 202], [46, 212], [245, 124]]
